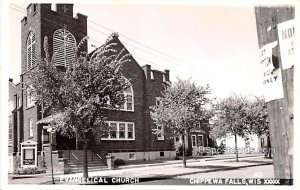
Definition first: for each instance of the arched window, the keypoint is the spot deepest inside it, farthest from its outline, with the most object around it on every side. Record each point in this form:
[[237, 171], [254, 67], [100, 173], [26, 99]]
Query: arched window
[[129, 100], [64, 44], [30, 50]]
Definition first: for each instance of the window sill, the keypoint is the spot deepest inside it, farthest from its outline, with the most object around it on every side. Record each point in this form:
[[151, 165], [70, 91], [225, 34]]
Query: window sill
[[117, 139], [126, 110], [29, 107], [115, 109]]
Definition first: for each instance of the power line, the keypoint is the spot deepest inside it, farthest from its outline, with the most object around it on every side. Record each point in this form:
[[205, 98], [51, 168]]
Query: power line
[[178, 61], [125, 36], [162, 58], [94, 40], [135, 41], [18, 7], [105, 34], [97, 42], [129, 44], [17, 10]]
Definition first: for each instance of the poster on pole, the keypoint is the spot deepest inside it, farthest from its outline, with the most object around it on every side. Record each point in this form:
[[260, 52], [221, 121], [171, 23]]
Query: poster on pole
[[286, 37], [272, 79]]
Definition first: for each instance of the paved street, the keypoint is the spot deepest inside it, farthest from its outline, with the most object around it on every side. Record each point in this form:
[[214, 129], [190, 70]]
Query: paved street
[[265, 171], [249, 172]]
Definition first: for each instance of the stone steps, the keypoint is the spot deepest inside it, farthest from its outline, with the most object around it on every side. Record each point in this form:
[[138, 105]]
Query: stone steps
[[94, 162]]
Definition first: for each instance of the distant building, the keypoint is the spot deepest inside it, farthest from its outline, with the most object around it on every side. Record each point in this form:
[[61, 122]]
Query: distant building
[[197, 140], [243, 144]]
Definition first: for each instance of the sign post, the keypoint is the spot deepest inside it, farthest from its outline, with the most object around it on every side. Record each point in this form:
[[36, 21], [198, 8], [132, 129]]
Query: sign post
[[274, 24], [50, 130]]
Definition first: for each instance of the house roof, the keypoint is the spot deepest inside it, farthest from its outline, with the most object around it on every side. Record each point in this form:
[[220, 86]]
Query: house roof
[[54, 118]]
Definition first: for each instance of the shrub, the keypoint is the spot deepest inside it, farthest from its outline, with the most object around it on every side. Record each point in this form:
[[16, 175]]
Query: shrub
[[119, 162], [188, 151], [196, 152], [30, 170], [18, 161], [42, 162]]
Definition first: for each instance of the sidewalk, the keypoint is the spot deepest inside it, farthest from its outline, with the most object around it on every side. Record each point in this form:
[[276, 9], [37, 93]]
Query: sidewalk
[[190, 159], [175, 169], [165, 168]]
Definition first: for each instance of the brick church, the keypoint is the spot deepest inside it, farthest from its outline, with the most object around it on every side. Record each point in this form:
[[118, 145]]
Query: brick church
[[132, 137]]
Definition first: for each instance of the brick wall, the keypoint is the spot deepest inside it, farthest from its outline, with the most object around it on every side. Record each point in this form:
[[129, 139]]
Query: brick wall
[[155, 87], [12, 130], [58, 163], [133, 72], [145, 92], [44, 22]]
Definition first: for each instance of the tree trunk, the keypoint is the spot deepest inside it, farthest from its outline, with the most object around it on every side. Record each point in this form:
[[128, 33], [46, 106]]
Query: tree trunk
[[183, 151], [236, 149], [51, 161], [85, 162], [269, 147], [76, 139]]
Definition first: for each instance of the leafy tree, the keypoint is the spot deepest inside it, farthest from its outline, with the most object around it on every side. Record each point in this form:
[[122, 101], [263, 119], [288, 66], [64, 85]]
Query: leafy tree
[[258, 117], [180, 107], [75, 96], [230, 117], [239, 116], [258, 120]]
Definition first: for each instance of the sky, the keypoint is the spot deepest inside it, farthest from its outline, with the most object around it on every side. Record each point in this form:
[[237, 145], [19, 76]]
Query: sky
[[215, 45]]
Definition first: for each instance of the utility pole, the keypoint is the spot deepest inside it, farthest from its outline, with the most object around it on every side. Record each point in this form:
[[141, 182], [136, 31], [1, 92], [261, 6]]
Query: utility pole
[[280, 111]]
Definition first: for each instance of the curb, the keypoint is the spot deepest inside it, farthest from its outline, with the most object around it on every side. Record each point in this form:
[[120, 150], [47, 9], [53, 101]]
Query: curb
[[227, 169], [214, 159], [33, 175], [160, 177], [173, 176], [149, 165], [179, 161]]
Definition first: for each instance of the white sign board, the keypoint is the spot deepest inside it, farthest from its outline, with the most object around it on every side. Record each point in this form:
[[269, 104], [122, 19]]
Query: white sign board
[[272, 80], [286, 36], [29, 154]]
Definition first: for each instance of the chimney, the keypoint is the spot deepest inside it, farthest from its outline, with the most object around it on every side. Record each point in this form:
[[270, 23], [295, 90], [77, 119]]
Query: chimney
[[167, 75], [147, 71]]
